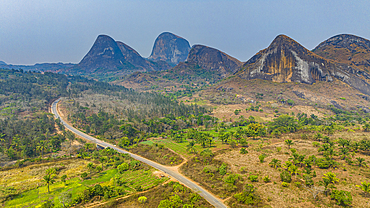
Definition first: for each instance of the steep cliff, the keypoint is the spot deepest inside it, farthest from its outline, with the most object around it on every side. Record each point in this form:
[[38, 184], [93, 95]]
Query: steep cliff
[[170, 48], [348, 49], [285, 60]]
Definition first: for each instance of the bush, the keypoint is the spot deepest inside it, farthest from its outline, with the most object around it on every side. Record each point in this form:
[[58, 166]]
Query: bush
[[262, 158], [285, 184], [285, 176], [266, 179], [123, 167], [222, 169], [142, 199], [253, 178], [343, 198], [243, 151]]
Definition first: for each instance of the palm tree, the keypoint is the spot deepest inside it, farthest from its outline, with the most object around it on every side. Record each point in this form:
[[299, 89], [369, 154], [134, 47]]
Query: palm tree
[[361, 161], [91, 167], [49, 177], [328, 180], [191, 147], [275, 163], [365, 187], [289, 142]]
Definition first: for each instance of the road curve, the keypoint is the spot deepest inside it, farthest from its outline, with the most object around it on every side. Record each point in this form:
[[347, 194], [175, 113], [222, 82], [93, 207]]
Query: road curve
[[198, 189]]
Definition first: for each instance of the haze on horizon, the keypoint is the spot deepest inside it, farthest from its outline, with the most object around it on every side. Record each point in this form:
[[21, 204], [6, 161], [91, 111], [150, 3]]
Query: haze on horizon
[[63, 31]]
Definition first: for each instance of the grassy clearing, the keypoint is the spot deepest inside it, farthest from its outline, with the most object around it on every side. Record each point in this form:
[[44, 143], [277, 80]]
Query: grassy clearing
[[33, 191], [157, 153]]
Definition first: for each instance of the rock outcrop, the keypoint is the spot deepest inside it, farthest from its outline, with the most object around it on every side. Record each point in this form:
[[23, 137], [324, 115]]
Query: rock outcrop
[[104, 55], [285, 60], [107, 55], [213, 59], [348, 49], [170, 48]]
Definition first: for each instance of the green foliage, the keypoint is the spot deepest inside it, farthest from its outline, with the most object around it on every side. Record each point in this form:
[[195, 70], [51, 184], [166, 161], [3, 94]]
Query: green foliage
[[248, 195], [253, 178], [231, 179], [284, 184], [123, 167], [262, 157], [343, 198], [285, 176], [266, 179], [243, 151], [222, 169], [142, 199], [365, 186]]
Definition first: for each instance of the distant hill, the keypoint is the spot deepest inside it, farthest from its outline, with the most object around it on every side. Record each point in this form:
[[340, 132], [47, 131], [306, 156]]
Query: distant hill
[[347, 49], [43, 67], [204, 65], [170, 48], [2, 63], [108, 56], [285, 60]]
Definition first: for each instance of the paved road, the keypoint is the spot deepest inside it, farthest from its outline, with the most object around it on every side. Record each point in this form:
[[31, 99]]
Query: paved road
[[202, 192]]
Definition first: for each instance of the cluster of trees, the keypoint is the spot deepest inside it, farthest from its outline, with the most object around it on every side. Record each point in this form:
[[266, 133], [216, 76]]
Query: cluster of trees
[[108, 158], [29, 138]]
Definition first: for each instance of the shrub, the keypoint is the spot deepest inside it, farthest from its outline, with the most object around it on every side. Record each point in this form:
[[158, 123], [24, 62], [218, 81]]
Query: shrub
[[84, 175], [285, 176], [253, 178], [262, 158], [210, 169], [142, 199], [266, 179], [343, 198], [222, 169], [231, 179], [123, 167], [285, 184], [243, 151]]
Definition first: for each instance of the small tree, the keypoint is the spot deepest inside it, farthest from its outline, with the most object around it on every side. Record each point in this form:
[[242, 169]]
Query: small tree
[[64, 179], [262, 158], [361, 161], [123, 167], [49, 177], [328, 181], [275, 163], [243, 151], [289, 142], [365, 186], [142, 199], [343, 198]]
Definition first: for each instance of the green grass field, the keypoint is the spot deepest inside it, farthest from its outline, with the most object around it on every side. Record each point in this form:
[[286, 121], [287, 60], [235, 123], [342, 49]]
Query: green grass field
[[35, 197]]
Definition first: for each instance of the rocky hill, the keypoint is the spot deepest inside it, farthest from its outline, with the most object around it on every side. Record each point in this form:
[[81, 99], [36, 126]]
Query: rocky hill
[[107, 55], [347, 49], [213, 59], [170, 48], [285, 60], [104, 55]]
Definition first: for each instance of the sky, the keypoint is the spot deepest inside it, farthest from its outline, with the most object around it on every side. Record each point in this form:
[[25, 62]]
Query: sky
[[49, 31]]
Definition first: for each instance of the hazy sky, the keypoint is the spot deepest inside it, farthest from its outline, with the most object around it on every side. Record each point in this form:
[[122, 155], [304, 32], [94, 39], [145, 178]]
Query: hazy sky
[[34, 31]]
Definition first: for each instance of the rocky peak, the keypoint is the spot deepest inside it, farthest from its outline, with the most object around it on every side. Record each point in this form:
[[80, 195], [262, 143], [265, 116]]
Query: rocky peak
[[213, 59], [285, 60], [170, 48], [104, 54], [348, 49]]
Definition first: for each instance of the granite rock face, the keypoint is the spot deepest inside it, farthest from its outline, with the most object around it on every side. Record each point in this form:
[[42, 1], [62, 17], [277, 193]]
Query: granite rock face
[[107, 55], [285, 60], [170, 48], [213, 59], [104, 55], [348, 49]]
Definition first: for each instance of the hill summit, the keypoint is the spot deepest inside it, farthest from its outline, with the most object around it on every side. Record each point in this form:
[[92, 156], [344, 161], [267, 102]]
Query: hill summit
[[347, 49], [170, 48], [285, 60]]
